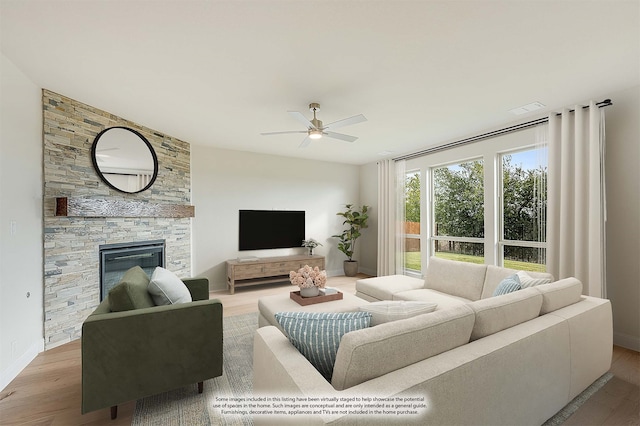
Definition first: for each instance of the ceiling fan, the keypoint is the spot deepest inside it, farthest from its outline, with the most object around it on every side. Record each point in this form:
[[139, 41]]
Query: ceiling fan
[[315, 128]]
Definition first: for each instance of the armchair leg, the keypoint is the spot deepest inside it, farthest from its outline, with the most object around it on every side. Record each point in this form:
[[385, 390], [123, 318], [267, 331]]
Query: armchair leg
[[200, 387], [114, 412]]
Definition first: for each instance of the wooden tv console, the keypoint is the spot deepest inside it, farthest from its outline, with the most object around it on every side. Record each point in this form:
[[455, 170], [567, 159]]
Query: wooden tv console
[[263, 270]]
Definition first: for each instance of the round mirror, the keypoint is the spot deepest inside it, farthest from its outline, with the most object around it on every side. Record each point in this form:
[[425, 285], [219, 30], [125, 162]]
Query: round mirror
[[124, 159]]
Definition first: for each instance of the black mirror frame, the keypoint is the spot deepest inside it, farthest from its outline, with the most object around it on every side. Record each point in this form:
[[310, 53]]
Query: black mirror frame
[[94, 159]]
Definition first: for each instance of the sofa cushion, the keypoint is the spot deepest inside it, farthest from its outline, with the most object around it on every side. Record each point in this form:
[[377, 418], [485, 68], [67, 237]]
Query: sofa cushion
[[372, 352], [501, 312], [527, 280], [383, 288], [426, 295], [166, 288], [508, 285], [559, 294], [456, 278], [495, 275], [388, 310], [131, 292], [317, 335]]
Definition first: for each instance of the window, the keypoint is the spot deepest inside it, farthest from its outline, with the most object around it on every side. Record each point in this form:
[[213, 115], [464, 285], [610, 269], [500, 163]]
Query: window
[[484, 202], [458, 211], [412, 253], [523, 209]]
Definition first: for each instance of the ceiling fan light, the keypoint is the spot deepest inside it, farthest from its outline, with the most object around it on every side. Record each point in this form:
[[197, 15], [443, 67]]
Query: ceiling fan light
[[315, 134]]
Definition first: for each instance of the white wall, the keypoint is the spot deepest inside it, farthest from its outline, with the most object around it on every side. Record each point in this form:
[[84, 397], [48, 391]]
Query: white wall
[[623, 215], [21, 318], [225, 181]]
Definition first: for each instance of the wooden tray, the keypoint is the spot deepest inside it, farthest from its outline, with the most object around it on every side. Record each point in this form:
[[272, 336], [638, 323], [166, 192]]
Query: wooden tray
[[304, 301]]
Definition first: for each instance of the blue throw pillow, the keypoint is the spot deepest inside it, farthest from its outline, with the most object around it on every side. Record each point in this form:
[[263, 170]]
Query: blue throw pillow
[[317, 335], [508, 285]]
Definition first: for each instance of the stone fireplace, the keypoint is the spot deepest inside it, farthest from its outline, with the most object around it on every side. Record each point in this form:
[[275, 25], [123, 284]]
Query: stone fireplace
[[72, 243]]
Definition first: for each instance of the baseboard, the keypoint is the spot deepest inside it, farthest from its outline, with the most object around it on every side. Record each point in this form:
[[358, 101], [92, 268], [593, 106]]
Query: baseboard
[[10, 373], [335, 272], [368, 271], [627, 341]]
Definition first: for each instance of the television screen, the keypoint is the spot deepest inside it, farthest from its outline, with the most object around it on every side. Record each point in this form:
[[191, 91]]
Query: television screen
[[271, 229]]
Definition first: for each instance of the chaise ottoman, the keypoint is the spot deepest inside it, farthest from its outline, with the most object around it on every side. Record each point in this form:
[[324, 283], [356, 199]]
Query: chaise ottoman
[[383, 288], [268, 306]]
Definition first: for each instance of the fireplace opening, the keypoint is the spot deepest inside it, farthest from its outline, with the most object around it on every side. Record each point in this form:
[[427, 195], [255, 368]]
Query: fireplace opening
[[116, 259]]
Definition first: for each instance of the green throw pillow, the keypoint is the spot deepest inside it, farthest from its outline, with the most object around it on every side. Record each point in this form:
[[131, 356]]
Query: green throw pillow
[[317, 335], [131, 292]]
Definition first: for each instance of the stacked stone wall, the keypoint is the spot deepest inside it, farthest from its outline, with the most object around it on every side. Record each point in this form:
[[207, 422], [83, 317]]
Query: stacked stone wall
[[71, 258]]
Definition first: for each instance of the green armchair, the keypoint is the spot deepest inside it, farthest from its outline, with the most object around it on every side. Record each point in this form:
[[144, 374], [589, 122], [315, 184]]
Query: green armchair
[[131, 354]]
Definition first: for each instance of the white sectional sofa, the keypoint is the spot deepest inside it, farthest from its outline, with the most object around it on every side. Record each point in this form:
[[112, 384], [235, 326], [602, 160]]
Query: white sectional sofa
[[447, 282], [514, 359]]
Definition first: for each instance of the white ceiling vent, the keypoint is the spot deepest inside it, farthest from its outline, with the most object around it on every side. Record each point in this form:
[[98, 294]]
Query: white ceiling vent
[[527, 108]]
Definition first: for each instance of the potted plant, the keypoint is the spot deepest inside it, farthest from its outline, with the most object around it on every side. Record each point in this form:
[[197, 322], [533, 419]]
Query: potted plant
[[310, 244], [355, 221]]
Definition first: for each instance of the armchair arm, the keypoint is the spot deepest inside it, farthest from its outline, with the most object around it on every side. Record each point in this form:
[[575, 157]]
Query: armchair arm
[[131, 354], [198, 287]]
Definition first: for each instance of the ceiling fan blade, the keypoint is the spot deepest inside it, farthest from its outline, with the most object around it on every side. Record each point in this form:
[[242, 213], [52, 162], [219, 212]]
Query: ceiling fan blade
[[282, 133], [346, 122], [340, 136], [305, 143], [301, 118]]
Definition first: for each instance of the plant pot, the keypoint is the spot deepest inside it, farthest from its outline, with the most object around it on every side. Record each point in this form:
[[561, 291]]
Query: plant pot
[[351, 268], [309, 291]]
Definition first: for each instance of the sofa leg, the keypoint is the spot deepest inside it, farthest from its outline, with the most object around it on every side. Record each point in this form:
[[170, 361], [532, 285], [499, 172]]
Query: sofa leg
[[114, 412], [200, 387]]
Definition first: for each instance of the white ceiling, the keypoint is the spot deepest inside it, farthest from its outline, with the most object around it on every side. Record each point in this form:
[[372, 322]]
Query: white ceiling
[[219, 73]]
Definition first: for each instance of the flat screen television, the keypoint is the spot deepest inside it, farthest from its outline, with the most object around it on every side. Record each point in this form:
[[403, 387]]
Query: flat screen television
[[270, 229]]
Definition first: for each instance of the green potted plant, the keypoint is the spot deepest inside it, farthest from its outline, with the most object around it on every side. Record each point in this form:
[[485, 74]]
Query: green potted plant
[[355, 220]]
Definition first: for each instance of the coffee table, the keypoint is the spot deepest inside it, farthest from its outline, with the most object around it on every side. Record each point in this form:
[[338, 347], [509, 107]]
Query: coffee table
[[268, 306]]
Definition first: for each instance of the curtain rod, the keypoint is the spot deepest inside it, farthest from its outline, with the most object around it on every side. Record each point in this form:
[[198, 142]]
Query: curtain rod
[[510, 129]]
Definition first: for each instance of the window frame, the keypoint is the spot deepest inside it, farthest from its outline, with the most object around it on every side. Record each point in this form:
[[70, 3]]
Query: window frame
[[502, 242], [432, 237], [419, 237], [488, 150]]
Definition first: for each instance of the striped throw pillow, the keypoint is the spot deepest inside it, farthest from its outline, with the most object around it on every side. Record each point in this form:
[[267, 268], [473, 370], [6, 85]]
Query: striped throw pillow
[[527, 280], [317, 335], [508, 285]]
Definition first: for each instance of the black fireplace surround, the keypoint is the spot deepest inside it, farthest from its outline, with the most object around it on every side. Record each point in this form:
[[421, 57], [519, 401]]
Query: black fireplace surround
[[116, 259]]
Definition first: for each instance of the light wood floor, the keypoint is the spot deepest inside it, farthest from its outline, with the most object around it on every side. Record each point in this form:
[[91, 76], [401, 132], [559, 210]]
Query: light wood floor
[[48, 391]]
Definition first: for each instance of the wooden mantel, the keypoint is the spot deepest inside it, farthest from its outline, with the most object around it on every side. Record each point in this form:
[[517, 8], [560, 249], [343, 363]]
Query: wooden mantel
[[91, 207]]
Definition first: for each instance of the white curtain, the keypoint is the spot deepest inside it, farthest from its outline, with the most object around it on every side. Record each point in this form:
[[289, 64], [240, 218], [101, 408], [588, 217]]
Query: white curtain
[[399, 202], [386, 218], [390, 217], [576, 198]]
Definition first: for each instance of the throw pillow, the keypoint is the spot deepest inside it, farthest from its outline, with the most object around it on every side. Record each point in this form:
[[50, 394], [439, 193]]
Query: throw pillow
[[166, 288], [131, 292], [317, 335], [508, 285], [392, 310], [527, 280]]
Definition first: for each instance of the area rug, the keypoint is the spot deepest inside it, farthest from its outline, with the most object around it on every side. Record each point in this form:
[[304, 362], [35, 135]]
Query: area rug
[[186, 406], [576, 402]]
